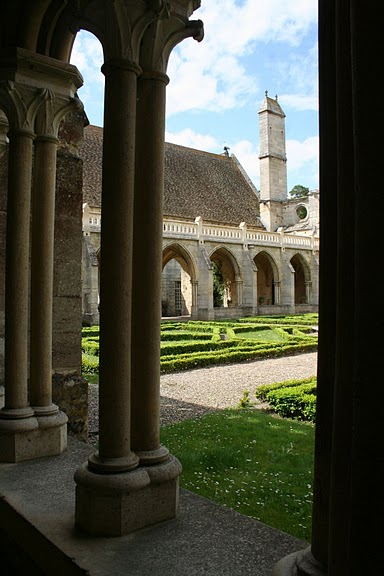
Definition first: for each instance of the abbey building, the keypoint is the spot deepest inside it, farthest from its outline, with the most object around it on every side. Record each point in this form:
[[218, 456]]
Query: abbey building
[[229, 250]]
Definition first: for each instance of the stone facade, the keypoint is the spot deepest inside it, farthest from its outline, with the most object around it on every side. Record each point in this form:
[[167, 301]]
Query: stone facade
[[265, 244]]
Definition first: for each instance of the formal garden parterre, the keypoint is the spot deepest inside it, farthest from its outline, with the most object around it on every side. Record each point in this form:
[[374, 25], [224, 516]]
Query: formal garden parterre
[[186, 345]]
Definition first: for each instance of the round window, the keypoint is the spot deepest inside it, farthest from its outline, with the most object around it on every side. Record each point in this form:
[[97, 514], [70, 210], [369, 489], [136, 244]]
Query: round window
[[302, 212]]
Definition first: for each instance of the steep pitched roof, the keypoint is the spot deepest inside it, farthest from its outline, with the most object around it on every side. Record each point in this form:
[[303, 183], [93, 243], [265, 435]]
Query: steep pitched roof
[[196, 183]]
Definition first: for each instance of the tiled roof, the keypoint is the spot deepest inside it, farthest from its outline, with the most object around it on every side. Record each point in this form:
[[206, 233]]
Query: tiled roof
[[196, 183]]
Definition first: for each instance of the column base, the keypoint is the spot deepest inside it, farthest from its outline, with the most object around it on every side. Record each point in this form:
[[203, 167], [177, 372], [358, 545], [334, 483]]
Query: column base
[[117, 504], [300, 563], [29, 438]]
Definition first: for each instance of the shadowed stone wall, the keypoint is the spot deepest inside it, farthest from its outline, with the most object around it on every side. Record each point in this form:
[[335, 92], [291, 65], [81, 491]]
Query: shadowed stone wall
[[70, 390]]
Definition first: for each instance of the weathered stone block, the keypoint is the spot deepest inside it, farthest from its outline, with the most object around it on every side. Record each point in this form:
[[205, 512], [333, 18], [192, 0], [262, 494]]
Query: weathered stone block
[[70, 393], [117, 504], [25, 439]]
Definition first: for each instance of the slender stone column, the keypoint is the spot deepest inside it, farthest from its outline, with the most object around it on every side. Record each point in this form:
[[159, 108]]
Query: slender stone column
[[17, 268], [43, 215], [115, 453], [277, 291], [17, 422], [239, 290], [111, 494], [308, 286], [195, 305], [147, 268], [52, 438]]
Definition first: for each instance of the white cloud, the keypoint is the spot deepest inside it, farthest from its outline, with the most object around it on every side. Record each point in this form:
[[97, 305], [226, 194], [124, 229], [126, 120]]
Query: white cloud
[[192, 139], [87, 55], [300, 153], [211, 75], [303, 162], [300, 102], [246, 153]]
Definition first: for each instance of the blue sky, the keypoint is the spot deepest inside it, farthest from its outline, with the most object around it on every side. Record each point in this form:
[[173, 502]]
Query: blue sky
[[217, 86]]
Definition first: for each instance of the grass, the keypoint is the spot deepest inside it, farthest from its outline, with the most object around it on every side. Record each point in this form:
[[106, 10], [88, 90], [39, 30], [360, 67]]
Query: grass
[[250, 461], [256, 463], [262, 335]]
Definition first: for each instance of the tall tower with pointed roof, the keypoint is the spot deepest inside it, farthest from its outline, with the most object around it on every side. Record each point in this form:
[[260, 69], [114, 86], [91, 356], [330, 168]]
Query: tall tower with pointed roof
[[273, 163]]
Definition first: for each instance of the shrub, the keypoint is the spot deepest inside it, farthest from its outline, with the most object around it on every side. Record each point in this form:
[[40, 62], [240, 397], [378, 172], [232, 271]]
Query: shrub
[[294, 399], [90, 364], [90, 346]]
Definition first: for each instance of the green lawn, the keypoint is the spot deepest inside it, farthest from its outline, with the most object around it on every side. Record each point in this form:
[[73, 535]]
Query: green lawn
[[248, 460]]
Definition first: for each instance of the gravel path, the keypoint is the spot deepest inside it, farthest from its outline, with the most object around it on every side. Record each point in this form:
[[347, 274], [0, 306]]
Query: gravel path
[[193, 393]]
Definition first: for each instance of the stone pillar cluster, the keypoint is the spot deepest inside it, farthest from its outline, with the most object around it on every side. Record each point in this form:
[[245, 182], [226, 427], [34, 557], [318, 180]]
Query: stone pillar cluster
[[132, 481], [30, 424]]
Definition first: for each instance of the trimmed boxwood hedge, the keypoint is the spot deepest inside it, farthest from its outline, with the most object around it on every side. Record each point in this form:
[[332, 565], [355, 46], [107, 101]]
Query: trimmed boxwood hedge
[[294, 399], [191, 344]]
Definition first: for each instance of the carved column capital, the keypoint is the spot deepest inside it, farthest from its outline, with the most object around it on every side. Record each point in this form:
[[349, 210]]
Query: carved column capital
[[162, 35], [50, 113], [20, 104]]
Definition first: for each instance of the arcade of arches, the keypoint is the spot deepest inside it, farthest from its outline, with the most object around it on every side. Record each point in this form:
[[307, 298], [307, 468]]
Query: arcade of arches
[[227, 279]]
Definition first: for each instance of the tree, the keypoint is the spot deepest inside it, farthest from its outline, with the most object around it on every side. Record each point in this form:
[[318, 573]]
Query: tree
[[299, 191], [218, 285]]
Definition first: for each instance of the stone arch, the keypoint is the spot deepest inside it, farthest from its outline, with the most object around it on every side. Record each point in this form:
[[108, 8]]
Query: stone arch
[[179, 281], [267, 278], [49, 28], [227, 273], [302, 279], [180, 253]]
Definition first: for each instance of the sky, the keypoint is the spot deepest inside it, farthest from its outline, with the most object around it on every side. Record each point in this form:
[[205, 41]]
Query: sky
[[217, 86]]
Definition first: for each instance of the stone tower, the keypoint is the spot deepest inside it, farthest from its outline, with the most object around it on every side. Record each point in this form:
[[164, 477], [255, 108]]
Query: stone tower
[[273, 163]]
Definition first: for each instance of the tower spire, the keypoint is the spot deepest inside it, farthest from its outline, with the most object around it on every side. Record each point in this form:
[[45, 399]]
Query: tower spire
[[273, 162]]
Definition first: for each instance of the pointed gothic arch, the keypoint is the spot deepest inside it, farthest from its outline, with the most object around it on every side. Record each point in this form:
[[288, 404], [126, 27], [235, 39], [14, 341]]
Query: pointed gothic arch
[[267, 278], [179, 281], [227, 278], [302, 279]]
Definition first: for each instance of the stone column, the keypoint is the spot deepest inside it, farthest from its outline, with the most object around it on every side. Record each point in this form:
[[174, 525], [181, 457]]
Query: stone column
[[194, 307], [17, 421], [239, 291], [277, 291], [115, 454], [147, 268], [308, 286], [110, 499], [17, 271], [163, 469], [43, 202], [51, 420]]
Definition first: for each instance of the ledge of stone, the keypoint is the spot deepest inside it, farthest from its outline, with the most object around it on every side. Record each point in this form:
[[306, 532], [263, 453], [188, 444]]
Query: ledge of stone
[[37, 512]]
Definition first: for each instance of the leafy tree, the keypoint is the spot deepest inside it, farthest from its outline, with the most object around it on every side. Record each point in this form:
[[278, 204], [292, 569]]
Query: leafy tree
[[218, 285], [299, 191]]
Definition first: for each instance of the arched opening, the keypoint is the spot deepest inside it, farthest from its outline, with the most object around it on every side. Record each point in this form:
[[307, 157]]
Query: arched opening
[[87, 55], [226, 275], [301, 279], [266, 278], [177, 296]]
